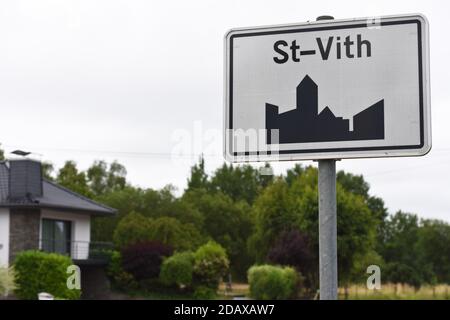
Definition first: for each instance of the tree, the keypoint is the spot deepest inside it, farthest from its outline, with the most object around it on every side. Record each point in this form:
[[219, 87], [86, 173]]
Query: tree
[[148, 202], [69, 177], [293, 248], [357, 185], [282, 207], [133, 228], [397, 272], [399, 250], [198, 178], [294, 173], [273, 214], [47, 170], [227, 222], [433, 251], [240, 182], [172, 232], [400, 234], [2, 154], [102, 179]]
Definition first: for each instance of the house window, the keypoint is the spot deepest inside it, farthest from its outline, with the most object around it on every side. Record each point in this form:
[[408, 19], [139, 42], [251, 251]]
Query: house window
[[56, 236]]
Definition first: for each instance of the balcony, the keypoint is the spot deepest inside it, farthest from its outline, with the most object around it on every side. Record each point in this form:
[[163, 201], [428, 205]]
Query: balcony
[[81, 252]]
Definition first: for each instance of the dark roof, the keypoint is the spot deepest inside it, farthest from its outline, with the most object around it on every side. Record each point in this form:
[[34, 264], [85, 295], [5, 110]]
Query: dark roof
[[53, 196]]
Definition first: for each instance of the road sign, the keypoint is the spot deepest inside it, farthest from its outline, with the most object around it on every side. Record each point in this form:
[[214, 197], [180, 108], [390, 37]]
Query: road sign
[[328, 90]]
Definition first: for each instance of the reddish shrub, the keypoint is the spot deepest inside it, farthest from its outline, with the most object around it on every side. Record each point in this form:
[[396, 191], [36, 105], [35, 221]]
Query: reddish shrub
[[143, 260]]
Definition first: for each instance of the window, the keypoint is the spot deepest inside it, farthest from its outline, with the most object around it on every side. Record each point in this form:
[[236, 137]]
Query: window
[[56, 236]]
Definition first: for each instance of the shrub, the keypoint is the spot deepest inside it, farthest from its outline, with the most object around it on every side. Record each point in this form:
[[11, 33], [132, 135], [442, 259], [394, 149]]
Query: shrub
[[143, 260], [7, 283], [211, 264], [204, 293], [292, 248], [178, 269], [170, 231], [133, 228], [272, 282], [43, 272], [120, 279]]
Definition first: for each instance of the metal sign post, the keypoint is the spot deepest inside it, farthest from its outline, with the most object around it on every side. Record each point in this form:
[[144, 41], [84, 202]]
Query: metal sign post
[[327, 230], [328, 277]]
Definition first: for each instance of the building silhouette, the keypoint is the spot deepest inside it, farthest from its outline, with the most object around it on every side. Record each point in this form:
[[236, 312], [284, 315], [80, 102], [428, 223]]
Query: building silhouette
[[305, 124]]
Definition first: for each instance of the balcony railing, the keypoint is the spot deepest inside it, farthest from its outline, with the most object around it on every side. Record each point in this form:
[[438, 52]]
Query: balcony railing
[[77, 250]]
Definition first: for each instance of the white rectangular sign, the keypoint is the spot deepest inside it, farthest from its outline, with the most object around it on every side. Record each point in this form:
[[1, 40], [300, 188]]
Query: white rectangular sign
[[328, 89]]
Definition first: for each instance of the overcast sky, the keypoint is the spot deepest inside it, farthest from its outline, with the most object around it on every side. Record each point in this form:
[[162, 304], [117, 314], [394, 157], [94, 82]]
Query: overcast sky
[[124, 80]]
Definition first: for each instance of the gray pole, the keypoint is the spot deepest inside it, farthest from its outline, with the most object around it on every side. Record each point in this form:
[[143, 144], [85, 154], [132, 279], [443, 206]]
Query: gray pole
[[327, 230], [327, 225]]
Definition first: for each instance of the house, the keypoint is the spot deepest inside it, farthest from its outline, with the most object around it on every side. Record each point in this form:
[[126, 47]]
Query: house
[[39, 214]]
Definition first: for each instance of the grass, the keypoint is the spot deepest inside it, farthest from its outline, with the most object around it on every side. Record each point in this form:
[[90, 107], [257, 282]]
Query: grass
[[237, 289], [397, 292], [355, 292]]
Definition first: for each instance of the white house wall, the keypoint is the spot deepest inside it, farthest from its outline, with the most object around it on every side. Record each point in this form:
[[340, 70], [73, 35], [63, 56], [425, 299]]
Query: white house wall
[[81, 230], [4, 237]]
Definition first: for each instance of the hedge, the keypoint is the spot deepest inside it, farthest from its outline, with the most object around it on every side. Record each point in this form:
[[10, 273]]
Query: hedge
[[178, 269], [211, 264], [37, 272], [271, 282]]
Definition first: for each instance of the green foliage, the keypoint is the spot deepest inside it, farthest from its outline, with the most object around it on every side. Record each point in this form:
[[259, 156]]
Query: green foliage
[[102, 179], [272, 282], [172, 232], [239, 182], [134, 228], [47, 170], [198, 178], [273, 214], [69, 176], [433, 251], [400, 233], [227, 222], [204, 293], [178, 269], [42, 272], [7, 283], [416, 252], [150, 203], [211, 264], [120, 279], [2, 153], [246, 212], [396, 272], [283, 206]]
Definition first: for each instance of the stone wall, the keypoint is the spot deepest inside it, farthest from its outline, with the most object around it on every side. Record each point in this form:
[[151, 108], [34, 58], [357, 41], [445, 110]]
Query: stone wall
[[24, 227]]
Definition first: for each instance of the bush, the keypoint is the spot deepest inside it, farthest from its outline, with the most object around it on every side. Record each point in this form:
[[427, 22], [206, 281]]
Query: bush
[[292, 248], [204, 293], [170, 231], [133, 228], [143, 260], [211, 264], [7, 283], [178, 269], [272, 282], [120, 279], [43, 272]]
